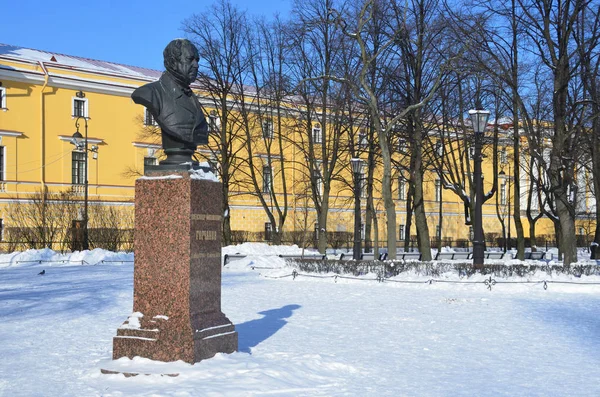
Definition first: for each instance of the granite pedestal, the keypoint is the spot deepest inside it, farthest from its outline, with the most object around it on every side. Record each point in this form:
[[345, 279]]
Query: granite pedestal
[[177, 275]]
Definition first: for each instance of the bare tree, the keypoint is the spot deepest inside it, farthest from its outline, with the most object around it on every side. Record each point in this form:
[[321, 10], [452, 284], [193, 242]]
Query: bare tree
[[43, 220], [263, 108], [219, 35], [318, 45], [363, 91], [550, 26]]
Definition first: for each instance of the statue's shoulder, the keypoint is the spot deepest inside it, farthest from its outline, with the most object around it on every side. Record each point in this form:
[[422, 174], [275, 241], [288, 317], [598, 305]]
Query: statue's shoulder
[[146, 91], [150, 96]]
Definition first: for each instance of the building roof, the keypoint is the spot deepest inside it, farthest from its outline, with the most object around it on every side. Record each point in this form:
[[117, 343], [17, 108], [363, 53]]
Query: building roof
[[84, 64]]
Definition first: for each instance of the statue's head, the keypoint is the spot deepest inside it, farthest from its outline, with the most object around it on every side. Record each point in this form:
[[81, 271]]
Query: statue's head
[[181, 60]]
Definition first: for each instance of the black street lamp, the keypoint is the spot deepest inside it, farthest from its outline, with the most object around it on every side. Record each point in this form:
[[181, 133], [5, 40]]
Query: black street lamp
[[356, 170], [508, 183], [479, 118], [81, 143]]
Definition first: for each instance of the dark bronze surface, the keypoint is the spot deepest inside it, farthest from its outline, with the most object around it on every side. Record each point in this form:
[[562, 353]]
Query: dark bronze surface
[[173, 104]]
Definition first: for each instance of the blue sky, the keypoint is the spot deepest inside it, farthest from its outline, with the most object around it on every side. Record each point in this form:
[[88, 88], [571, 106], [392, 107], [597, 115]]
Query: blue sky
[[132, 32]]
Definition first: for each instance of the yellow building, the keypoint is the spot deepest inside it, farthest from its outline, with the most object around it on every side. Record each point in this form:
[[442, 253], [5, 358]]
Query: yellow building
[[44, 94]]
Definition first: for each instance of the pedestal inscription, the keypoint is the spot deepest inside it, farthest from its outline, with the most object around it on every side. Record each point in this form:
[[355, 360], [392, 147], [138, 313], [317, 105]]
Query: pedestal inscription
[[177, 276]]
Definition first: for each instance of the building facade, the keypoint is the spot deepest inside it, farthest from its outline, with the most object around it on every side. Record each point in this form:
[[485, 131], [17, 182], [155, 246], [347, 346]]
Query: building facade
[[47, 97]]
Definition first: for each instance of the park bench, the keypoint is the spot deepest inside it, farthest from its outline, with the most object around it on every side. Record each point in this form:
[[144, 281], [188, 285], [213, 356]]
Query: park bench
[[452, 255], [305, 256], [232, 257], [493, 255], [408, 256], [537, 255]]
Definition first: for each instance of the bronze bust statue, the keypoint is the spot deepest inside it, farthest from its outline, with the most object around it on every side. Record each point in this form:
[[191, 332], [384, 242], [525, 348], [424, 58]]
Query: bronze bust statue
[[173, 104]]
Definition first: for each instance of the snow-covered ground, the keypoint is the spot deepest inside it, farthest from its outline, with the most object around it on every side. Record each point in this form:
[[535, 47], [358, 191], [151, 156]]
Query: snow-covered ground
[[301, 337]]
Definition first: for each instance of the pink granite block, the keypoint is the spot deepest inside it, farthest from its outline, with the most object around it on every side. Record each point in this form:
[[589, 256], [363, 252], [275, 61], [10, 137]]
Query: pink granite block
[[177, 274]]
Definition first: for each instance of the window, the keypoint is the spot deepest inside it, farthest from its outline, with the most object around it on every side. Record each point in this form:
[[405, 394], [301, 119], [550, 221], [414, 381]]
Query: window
[[148, 119], [317, 133], [2, 98], [438, 190], [267, 129], [78, 168], [318, 180], [1, 163], [503, 194], [362, 139], [401, 188], [581, 230], [213, 121], [150, 161], [80, 107], [439, 148], [1, 229], [267, 179], [362, 184], [471, 152], [503, 157], [438, 232], [401, 232], [268, 231]]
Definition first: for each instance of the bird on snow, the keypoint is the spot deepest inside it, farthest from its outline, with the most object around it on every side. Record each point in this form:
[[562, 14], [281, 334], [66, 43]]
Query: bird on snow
[[42, 272]]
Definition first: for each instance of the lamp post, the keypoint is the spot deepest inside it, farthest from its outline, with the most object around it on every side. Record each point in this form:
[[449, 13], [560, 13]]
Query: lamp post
[[356, 169], [81, 143], [508, 183], [479, 118]]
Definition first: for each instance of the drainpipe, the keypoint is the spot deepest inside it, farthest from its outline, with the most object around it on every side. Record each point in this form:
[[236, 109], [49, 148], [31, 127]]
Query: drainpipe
[[43, 130], [42, 149]]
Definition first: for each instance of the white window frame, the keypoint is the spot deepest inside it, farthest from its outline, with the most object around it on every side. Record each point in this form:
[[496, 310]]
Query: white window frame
[[362, 139], [3, 163], [267, 181], [401, 232], [363, 183], [503, 156], [438, 190], [503, 193], [154, 160], [267, 129], [3, 99], [317, 134], [401, 189], [318, 174], [148, 115], [86, 109]]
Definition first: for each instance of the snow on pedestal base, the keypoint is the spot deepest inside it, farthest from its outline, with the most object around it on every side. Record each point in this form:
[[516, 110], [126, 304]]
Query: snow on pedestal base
[[177, 275]]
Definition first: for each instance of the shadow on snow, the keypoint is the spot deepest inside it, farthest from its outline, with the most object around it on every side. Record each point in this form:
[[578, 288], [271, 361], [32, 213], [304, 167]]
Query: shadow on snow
[[253, 332]]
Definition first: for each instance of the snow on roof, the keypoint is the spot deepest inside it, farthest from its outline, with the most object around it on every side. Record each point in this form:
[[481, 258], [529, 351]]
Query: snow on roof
[[27, 54]]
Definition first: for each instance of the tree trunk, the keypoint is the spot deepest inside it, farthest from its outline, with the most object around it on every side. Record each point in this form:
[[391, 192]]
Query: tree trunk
[[419, 207]]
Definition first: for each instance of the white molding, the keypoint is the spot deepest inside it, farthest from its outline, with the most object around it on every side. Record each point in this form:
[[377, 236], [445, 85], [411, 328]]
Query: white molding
[[145, 145], [71, 83], [11, 133], [67, 138]]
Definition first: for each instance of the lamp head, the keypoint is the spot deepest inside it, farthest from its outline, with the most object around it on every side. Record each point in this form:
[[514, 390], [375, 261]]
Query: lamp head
[[77, 139], [356, 165], [479, 119]]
